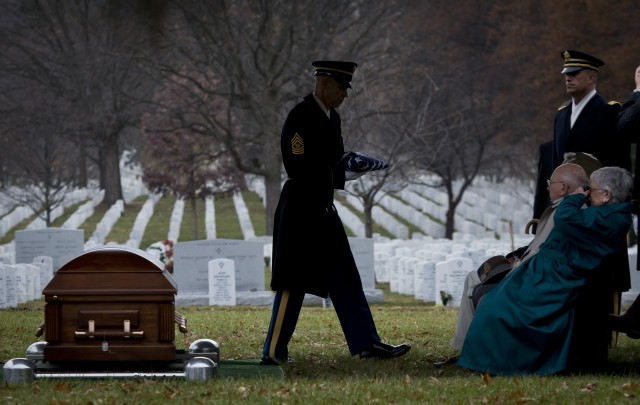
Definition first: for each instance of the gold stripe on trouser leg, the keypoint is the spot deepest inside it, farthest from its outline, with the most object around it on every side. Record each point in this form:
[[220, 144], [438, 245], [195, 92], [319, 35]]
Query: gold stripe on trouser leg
[[616, 311], [277, 328]]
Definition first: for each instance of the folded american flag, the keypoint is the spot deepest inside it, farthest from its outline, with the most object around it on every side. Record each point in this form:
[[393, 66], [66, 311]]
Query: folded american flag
[[361, 162]]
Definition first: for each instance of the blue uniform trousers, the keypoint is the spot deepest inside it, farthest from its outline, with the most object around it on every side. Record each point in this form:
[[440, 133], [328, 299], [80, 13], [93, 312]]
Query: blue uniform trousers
[[351, 307]]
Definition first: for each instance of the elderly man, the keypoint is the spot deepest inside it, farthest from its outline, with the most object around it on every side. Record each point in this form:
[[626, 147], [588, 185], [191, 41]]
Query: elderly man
[[564, 180]]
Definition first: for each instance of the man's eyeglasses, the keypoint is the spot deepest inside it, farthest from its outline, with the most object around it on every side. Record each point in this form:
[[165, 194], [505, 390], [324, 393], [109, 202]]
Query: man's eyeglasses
[[549, 182]]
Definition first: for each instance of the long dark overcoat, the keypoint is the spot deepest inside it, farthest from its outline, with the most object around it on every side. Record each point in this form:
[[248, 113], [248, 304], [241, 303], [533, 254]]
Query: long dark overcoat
[[629, 127], [309, 240], [595, 132]]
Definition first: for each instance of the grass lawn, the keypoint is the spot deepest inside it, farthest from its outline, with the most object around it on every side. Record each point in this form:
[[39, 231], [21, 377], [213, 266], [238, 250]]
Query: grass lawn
[[323, 371]]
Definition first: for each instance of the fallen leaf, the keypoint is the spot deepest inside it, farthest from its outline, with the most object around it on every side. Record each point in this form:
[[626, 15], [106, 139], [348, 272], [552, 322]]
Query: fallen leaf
[[486, 377], [62, 387]]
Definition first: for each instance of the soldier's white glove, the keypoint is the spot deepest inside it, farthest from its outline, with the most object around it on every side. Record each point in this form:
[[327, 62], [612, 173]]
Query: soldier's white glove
[[352, 175]]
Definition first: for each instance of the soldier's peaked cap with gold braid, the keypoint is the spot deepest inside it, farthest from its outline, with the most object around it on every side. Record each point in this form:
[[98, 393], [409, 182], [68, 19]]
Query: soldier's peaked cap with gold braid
[[575, 60], [340, 71]]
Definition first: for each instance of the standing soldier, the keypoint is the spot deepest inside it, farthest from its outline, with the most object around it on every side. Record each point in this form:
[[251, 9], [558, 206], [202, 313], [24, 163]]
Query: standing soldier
[[312, 152]]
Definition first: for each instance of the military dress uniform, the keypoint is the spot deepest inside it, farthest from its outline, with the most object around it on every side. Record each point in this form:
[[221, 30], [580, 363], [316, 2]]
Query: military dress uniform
[[629, 127], [312, 149], [594, 131]]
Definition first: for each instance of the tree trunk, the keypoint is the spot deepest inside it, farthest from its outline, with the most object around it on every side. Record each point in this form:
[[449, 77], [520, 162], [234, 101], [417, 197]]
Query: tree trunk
[[368, 218], [82, 179], [450, 225], [111, 170]]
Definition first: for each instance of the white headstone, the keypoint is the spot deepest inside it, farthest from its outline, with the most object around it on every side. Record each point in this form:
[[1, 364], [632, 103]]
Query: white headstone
[[3, 287], [10, 278], [380, 266], [191, 266], [35, 283], [21, 284], [425, 281], [394, 273], [222, 282], [60, 244], [362, 249], [6, 258], [450, 276], [45, 264]]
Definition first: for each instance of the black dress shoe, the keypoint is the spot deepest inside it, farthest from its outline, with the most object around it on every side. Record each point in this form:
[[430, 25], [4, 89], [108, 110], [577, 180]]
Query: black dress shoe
[[380, 350], [625, 324], [447, 362], [269, 361]]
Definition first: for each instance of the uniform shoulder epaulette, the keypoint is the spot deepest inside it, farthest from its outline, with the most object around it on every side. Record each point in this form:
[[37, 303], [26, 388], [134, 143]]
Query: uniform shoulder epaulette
[[564, 105], [613, 102]]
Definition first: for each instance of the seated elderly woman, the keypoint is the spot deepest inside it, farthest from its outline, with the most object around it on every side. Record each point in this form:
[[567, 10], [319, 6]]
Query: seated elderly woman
[[525, 325]]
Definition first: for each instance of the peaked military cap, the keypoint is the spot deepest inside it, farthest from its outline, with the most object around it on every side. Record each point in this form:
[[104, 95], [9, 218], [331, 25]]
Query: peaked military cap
[[575, 60], [583, 159], [341, 71]]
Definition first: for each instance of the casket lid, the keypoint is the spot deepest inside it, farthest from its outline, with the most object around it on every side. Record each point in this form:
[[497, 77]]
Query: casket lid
[[112, 269]]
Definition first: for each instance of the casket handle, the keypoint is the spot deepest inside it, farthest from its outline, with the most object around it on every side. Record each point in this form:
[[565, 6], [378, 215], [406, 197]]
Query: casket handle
[[126, 332], [181, 321], [40, 329]]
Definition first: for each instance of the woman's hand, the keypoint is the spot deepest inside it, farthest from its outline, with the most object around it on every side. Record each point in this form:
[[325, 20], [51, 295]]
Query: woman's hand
[[582, 190]]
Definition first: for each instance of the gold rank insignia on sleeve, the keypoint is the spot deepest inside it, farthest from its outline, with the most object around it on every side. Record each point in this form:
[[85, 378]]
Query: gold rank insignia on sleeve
[[297, 144]]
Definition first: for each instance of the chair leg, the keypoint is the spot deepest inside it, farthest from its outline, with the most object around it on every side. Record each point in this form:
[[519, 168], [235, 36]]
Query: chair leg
[[617, 297]]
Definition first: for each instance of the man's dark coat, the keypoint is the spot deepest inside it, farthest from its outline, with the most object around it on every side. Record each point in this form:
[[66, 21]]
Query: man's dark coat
[[309, 240]]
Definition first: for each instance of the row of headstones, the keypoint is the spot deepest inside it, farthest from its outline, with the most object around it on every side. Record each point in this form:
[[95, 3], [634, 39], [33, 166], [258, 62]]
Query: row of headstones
[[103, 228], [142, 220], [429, 269], [434, 270], [243, 216], [84, 211], [210, 218], [175, 221], [481, 212], [19, 214], [24, 282], [193, 267], [13, 218], [70, 198], [132, 186], [423, 222], [382, 217], [482, 198], [350, 220]]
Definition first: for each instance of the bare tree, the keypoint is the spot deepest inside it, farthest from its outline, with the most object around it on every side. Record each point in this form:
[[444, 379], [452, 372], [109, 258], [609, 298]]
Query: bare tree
[[178, 161], [257, 57], [83, 52], [450, 145], [46, 168]]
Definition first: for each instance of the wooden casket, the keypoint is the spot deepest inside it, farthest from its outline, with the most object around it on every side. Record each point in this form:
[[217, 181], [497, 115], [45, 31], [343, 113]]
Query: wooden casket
[[112, 303]]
